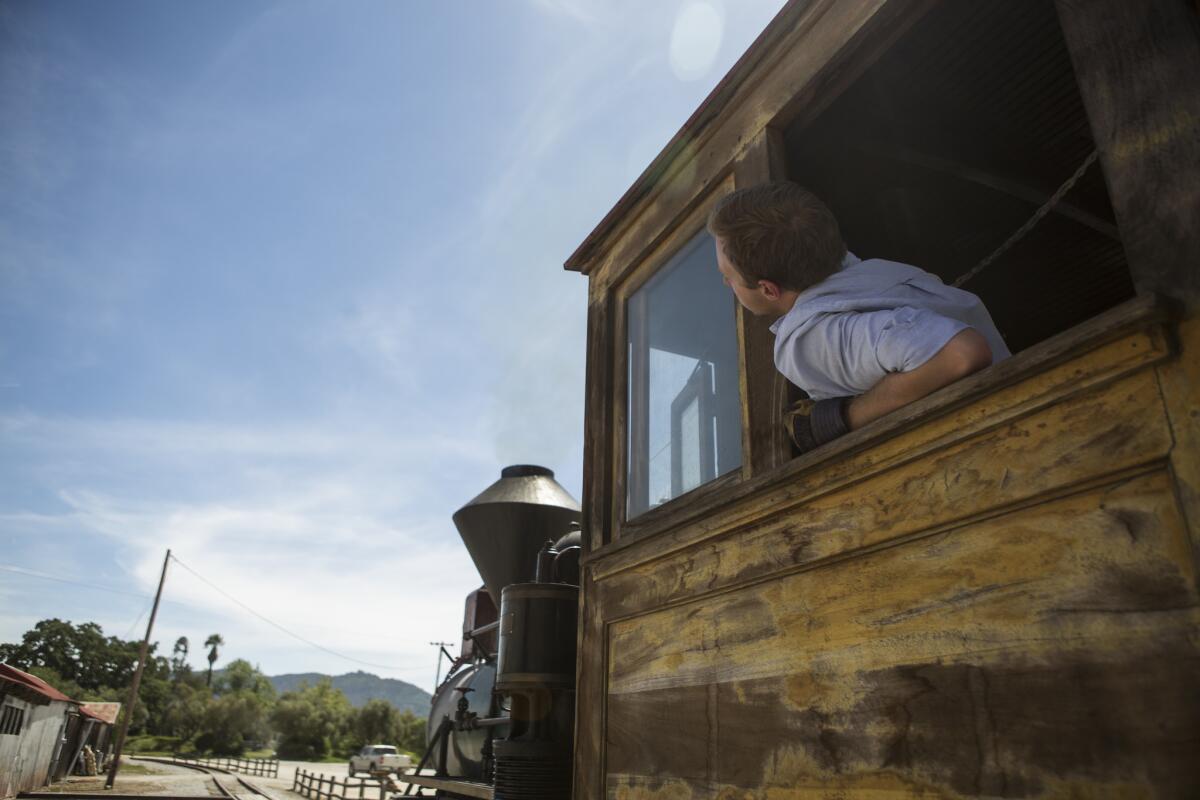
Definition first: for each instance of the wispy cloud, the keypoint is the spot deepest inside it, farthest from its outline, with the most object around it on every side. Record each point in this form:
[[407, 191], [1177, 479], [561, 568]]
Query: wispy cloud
[[353, 537]]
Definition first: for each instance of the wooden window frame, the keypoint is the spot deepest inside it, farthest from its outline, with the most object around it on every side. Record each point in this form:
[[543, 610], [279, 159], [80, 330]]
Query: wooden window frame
[[689, 223], [762, 390]]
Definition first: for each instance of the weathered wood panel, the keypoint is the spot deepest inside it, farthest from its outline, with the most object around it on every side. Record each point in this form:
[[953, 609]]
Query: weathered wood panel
[[598, 428], [1119, 427], [598, 423], [1137, 63], [590, 705], [990, 392], [1180, 380], [1002, 658], [991, 412], [764, 445]]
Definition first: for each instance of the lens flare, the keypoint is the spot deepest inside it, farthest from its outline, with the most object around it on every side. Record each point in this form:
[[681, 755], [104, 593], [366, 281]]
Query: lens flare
[[696, 38]]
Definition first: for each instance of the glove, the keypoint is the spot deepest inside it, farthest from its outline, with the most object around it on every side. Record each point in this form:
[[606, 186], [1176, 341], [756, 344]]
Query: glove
[[814, 423]]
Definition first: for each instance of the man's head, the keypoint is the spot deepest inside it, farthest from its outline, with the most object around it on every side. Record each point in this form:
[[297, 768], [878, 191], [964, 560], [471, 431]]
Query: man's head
[[774, 241]]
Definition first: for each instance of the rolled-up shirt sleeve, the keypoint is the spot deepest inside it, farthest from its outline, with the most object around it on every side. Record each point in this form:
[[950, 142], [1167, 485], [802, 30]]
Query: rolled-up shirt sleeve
[[911, 337], [847, 353]]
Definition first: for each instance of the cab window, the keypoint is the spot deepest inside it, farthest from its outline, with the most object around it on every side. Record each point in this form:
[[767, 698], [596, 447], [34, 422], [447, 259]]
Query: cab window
[[684, 424]]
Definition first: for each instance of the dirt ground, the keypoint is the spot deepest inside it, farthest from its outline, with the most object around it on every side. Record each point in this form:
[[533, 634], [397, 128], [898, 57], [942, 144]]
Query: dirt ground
[[142, 777]]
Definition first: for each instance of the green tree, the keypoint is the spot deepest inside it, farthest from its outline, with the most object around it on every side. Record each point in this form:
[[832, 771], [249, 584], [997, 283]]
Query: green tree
[[79, 653], [311, 721], [411, 736], [232, 722], [179, 655], [83, 663], [184, 713], [377, 722], [153, 695], [241, 676], [212, 643], [68, 687]]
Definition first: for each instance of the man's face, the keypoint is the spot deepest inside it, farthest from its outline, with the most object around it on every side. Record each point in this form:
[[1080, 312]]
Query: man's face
[[752, 297]]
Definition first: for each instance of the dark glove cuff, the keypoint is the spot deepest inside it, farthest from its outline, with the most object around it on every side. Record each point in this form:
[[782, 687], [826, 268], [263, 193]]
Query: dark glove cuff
[[828, 419]]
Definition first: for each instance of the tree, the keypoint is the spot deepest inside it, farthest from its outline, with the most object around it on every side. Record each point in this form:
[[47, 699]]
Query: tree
[[376, 722], [84, 664], [412, 732], [80, 661], [212, 643], [242, 676], [183, 714], [311, 721], [380, 722], [231, 722], [68, 687], [179, 655], [79, 653]]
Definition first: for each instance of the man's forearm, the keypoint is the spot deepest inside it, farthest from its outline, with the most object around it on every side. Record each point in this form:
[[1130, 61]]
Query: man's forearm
[[966, 352]]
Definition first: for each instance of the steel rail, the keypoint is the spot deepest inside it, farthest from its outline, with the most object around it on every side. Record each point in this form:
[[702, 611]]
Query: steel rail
[[208, 771]]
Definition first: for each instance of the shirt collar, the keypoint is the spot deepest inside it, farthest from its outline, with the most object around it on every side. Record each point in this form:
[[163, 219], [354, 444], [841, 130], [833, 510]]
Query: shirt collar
[[848, 261]]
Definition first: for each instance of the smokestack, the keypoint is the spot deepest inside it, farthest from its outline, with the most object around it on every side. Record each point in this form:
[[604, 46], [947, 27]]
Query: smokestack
[[505, 526]]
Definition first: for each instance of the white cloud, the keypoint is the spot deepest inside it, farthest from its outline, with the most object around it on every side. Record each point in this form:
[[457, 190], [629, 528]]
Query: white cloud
[[349, 531], [172, 438]]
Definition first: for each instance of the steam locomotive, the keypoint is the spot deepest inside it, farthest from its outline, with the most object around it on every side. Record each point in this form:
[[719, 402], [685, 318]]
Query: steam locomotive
[[502, 722]]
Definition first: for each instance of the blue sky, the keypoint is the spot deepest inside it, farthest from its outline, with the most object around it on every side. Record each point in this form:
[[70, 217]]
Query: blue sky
[[281, 288]]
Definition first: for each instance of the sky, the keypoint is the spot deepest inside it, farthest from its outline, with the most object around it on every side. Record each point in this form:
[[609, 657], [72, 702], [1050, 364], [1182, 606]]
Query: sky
[[281, 288]]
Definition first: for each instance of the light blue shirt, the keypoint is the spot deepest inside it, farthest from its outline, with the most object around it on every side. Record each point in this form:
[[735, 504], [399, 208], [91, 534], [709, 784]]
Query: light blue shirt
[[868, 319]]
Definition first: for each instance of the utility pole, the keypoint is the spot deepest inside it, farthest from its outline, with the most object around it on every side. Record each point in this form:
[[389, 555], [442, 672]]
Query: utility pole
[[137, 680], [437, 681]]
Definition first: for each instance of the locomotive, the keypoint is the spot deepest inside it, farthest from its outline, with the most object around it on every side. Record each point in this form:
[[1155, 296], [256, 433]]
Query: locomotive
[[501, 722], [991, 592]]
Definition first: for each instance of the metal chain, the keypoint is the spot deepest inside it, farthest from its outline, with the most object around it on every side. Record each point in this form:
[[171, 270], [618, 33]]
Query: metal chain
[[1034, 220]]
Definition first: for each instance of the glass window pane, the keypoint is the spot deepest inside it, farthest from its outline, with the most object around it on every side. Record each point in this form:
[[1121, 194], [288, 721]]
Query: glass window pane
[[685, 413]]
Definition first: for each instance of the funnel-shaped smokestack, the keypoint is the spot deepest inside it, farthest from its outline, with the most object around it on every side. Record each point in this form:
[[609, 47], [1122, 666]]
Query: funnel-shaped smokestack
[[506, 525]]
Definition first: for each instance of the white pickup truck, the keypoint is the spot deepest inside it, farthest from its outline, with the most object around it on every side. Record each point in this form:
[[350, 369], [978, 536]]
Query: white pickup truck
[[378, 759]]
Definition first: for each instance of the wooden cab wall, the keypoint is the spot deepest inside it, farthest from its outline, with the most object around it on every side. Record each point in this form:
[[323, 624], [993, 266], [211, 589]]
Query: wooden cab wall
[[989, 593]]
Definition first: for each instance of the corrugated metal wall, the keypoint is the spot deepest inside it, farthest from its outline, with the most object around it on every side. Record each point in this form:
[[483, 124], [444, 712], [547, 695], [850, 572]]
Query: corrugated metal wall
[[25, 759]]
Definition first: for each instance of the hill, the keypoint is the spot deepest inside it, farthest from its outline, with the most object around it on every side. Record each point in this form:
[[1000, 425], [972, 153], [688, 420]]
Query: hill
[[359, 687]]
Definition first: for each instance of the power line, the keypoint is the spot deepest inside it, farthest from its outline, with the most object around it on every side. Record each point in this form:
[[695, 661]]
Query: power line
[[133, 627], [29, 573], [46, 576], [274, 624]]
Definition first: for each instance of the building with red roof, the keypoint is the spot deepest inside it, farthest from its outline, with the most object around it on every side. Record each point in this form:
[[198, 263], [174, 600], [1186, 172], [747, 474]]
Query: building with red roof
[[43, 731]]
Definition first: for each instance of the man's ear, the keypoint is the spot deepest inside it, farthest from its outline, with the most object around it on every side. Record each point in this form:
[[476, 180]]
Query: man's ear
[[770, 289]]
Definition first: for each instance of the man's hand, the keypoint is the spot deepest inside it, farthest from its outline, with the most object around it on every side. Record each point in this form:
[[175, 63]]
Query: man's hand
[[814, 423], [966, 352]]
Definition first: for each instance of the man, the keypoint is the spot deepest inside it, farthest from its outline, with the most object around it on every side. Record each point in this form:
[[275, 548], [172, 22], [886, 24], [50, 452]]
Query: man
[[861, 338]]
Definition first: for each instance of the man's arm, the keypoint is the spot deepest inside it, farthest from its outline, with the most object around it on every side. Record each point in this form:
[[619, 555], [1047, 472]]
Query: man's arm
[[966, 352]]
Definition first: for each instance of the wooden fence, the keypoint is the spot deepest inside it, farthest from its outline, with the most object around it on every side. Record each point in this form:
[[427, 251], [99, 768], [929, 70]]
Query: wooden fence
[[321, 787], [266, 767]]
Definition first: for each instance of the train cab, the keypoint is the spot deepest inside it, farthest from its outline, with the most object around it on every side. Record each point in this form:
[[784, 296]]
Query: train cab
[[991, 591]]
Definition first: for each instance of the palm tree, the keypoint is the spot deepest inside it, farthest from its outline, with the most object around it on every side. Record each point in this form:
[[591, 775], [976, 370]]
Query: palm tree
[[212, 643], [180, 653]]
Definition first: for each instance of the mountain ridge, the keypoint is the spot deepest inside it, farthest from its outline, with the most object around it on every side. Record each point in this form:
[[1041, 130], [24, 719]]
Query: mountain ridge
[[360, 687]]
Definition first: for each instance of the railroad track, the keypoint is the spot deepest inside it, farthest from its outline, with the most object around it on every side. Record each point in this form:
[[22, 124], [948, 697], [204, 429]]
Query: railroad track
[[242, 790]]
